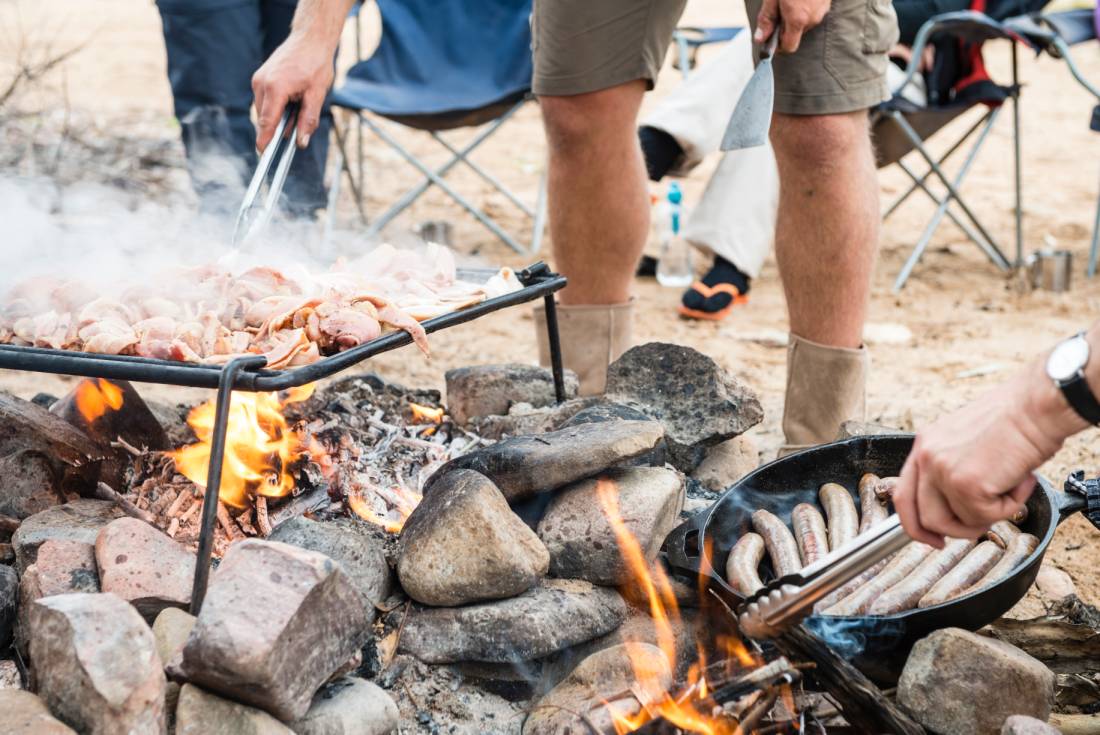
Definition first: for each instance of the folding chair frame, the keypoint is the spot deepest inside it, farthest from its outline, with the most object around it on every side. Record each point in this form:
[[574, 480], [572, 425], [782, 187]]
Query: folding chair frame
[[969, 224], [436, 178]]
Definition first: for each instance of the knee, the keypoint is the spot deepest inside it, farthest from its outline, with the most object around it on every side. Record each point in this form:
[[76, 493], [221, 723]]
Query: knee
[[819, 140], [576, 123]]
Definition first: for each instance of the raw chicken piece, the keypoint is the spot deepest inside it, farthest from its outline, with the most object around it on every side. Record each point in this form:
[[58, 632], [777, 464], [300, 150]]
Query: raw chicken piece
[[347, 328], [104, 308], [108, 337]]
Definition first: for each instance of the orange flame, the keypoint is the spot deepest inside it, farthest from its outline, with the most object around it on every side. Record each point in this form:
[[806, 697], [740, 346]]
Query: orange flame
[[260, 446], [426, 414], [95, 397], [400, 501], [691, 709]]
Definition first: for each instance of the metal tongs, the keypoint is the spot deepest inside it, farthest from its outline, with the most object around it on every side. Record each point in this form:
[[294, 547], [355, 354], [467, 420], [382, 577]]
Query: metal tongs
[[254, 215], [786, 601]]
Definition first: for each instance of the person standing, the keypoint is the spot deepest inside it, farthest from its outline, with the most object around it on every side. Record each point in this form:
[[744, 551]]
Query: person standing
[[214, 47], [593, 62]]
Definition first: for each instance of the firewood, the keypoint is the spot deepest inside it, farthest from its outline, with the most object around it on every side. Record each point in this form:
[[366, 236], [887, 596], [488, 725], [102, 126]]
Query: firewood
[[173, 527], [1076, 724], [262, 522], [104, 491], [232, 532], [174, 508]]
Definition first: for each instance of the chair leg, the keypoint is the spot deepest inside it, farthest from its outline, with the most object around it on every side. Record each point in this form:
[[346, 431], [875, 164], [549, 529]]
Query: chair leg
[[448, 189], [357, 194], [1094, 248], [412, 194], [1016, 141], [995, 253], [333, 198], [942, 160], [962, 224], [489, 178]]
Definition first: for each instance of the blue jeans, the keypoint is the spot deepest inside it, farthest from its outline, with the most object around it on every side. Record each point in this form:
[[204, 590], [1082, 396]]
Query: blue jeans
[[214, 47]]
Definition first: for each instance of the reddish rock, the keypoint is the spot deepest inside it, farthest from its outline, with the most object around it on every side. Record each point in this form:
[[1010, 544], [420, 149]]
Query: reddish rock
[[80, 520], [143, 566], [96, 664], [63, 566], [276, 623]]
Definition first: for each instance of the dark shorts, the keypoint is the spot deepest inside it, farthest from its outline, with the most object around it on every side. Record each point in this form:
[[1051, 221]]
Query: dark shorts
[[584, 45]]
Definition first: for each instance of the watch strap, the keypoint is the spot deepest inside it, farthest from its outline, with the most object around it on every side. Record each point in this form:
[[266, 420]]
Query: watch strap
[[1081, 399]]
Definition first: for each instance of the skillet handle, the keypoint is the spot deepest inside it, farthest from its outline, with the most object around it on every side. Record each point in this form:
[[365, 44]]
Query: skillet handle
[[1081, 495], [683, 547]]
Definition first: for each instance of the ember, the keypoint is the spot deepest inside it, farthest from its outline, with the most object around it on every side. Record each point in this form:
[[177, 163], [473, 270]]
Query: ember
[[95, 397], [401, 503], [260, 447], [426, 414]]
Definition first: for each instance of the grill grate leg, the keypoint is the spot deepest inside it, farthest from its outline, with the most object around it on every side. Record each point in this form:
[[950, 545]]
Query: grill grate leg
[[555, 346], [214, 474]]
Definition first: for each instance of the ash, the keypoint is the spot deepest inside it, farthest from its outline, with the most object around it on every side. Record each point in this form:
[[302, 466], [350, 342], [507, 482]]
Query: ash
[[375, 450]]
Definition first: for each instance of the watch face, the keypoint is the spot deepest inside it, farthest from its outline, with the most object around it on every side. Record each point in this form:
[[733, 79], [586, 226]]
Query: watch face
[[1068, 358]]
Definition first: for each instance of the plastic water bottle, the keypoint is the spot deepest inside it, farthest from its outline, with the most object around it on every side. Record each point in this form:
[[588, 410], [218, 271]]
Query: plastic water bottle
[[674, 265]]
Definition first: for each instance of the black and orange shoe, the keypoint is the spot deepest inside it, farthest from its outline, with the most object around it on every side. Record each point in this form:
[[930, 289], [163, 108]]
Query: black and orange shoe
[[722, 289]]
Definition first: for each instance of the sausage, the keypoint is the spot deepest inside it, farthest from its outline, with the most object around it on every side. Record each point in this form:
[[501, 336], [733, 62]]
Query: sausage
[[822, 605], [899, 567], [955, 583], [872, 510], [780, 543], [885, 488], [841, 511], [1019, 548], [1002, 533], [905, 594], [809, 533], [743, 564]]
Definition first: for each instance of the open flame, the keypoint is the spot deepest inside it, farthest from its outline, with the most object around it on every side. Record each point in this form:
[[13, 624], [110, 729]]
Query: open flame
[[95, 397], [691, 709], [425, 414], [260, 446]]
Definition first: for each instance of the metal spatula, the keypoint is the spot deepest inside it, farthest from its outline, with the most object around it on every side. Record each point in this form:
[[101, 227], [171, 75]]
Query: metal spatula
[[752, 117]]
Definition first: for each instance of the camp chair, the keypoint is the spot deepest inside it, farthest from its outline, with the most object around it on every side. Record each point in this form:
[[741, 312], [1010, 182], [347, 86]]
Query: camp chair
[[439, 67], [1054, 33], [900, 126], [689, 39]]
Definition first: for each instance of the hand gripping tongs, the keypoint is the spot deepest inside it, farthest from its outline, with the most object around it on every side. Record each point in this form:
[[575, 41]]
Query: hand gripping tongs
[[255, 214], [786, 601]]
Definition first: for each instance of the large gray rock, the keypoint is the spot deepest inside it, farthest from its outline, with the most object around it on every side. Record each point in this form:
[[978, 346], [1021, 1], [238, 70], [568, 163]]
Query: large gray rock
[[144, 566], [1024, 725], [579, 536], [96, 664], [202, 713], [79, 520], [555, 615], [595, 689], [464, 544], [959, 683], [276, 623], [41, 458], [490, 390], [696, 400], [350, 706], [25, 714], [349, 544], [523, 419], [171, 629], [61, 567], [9, 604], [726, 463], [525, 466]]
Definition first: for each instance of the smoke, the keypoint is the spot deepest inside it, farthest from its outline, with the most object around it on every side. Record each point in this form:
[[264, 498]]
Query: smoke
[[852, 637]]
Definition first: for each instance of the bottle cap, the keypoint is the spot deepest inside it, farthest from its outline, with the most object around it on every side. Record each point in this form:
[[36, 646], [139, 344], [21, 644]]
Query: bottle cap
[[674, 193]]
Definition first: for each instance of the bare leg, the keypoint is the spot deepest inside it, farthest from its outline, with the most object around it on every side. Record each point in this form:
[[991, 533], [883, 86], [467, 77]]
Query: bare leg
[[599, 206], [825, 243], [827, 232]]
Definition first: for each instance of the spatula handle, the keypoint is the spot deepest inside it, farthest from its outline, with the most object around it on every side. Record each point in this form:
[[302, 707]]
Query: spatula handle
[[771, 44]]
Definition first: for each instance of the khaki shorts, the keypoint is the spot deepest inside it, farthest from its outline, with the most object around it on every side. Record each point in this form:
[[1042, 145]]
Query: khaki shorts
[[587, 45]]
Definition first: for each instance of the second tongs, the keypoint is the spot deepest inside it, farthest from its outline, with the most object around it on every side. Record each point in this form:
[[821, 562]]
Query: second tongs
[[255, 212]]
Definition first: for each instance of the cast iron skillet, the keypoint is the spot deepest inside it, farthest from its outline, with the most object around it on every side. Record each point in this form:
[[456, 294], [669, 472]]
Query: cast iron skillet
[[784, 483]]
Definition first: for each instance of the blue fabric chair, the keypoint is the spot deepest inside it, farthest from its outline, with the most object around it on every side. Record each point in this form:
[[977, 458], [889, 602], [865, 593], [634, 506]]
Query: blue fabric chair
[[439, 67]]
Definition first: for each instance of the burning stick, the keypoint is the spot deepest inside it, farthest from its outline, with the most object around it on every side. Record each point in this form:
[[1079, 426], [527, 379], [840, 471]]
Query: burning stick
[[262, 522], [232, 532], [121, 443], [104, 491]]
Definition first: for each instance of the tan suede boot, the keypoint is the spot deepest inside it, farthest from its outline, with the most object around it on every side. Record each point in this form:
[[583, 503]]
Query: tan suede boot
[[592, 337], [826, 386]]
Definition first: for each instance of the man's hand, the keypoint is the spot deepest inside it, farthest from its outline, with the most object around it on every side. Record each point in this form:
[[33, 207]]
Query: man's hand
[[789, 18], [973, 467], [299, 69]]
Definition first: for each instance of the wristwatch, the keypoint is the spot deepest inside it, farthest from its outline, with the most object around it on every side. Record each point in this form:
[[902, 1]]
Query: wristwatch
[[1066, 367]]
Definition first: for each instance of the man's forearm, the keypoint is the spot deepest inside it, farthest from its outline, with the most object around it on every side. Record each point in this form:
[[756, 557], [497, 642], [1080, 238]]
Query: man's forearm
[[1052, 415], [321, 20]]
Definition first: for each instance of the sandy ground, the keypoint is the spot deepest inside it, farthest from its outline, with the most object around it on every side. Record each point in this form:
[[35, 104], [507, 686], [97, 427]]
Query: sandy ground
[[969, 327]]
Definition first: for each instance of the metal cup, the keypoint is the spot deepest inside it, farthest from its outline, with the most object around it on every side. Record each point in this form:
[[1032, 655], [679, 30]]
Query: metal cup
[[1051, 270], [435, 230]]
